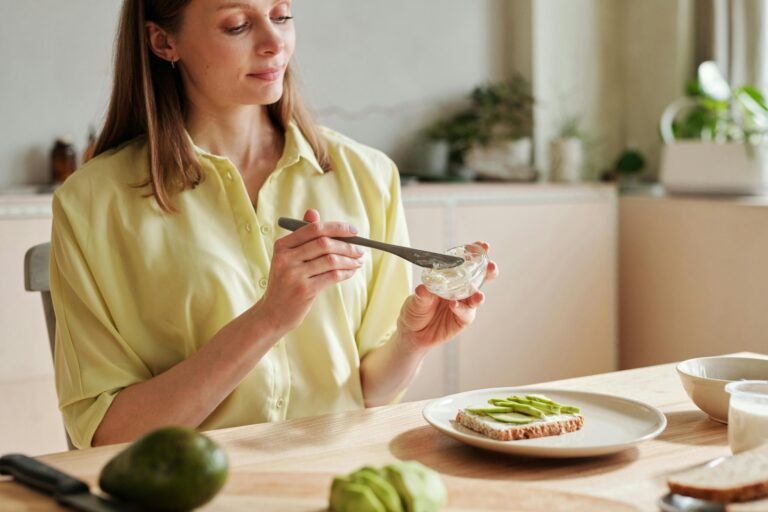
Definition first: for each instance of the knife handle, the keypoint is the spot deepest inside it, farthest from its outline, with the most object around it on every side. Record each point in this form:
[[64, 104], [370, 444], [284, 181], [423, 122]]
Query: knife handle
[[35, 474]]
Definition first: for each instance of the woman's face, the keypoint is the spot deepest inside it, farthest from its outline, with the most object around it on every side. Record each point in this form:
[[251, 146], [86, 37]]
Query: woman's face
[[235, 52]]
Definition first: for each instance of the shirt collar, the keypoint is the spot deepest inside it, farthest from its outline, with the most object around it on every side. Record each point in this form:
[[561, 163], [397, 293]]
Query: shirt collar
[[296, 148]]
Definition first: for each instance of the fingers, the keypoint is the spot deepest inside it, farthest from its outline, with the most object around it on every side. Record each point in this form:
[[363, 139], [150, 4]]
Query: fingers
[[474, 300], [492, 271], [423, 298], [466, 309], [330, 263], [330, 277], [312, 215], [316, 229], [323, 246], [463, 313]]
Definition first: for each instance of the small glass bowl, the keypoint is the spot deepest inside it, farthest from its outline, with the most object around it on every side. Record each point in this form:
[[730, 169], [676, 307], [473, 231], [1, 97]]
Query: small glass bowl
[[460, 282]]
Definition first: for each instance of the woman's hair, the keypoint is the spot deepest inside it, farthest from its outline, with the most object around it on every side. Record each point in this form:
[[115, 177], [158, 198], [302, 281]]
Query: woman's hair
[[148, 99]]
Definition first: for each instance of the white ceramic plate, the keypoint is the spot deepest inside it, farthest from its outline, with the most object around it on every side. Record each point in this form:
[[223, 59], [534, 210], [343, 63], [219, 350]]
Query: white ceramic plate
[[611, 423]]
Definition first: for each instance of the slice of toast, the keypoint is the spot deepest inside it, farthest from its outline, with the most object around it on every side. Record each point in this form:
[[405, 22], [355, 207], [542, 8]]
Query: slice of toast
[[741, 477], [751, 506], [551, 425]]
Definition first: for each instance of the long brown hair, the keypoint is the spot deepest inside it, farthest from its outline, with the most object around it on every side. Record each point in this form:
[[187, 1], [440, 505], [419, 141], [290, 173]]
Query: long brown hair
[[148, 99]]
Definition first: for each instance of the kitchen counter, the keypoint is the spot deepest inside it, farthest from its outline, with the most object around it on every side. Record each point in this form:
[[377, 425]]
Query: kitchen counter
[[289, 466], [509, 193], [25, 203], [30, 202]]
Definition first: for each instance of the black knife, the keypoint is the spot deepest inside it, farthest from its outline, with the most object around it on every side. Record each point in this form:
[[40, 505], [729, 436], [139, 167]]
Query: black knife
[[65, 489]]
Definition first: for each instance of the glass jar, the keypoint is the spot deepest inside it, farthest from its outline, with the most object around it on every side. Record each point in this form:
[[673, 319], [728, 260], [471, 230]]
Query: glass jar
[[460, 282], [747, 414], [63, 160]]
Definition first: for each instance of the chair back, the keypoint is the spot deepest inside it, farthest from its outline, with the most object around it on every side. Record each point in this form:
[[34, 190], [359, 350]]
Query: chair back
[[36, 280]]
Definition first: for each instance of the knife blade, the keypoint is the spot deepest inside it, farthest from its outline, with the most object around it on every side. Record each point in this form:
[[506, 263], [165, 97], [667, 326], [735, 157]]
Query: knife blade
[[65, 489]]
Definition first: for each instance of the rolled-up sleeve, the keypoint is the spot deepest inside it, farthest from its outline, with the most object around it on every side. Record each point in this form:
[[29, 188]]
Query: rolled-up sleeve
[[390, 281], [92, 361]]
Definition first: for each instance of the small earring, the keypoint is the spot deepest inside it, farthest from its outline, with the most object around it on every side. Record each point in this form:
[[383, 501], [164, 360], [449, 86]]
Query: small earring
[[173, 63]]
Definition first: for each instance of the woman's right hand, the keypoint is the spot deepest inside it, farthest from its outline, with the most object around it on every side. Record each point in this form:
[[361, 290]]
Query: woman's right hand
[[304, 263]]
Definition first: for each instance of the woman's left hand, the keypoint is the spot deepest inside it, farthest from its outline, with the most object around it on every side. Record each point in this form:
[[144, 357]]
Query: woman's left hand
[[427, 320]]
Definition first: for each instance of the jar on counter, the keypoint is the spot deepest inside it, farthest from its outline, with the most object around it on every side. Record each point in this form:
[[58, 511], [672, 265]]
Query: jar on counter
[[63, 160]]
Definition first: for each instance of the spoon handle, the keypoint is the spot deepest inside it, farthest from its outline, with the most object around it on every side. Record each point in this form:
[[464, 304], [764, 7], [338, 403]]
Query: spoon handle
[[421, 258]]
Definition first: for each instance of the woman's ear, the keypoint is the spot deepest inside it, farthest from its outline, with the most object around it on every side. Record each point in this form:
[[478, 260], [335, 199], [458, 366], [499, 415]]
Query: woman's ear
[[161, 43]]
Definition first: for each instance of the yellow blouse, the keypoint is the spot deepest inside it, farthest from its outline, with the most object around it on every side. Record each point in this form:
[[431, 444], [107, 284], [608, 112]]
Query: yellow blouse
[[137, 290]]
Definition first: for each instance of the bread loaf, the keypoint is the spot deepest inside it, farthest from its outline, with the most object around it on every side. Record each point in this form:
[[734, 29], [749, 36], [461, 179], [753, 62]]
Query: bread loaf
[[750, 506], [741, 477]]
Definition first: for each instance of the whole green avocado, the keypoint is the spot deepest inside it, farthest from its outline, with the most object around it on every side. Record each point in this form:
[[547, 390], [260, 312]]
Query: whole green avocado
[[169, 469]]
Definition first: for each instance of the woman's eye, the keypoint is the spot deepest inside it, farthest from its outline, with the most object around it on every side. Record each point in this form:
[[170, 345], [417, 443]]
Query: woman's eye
[[238, 29], [281, 19]]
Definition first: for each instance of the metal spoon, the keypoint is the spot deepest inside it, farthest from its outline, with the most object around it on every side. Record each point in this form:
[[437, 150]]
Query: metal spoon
[[676, 503], [421, 258]]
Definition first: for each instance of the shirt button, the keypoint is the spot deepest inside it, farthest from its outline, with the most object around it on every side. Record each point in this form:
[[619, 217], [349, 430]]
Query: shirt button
[[280, 403], [263, 282], [248, 227], [229, 175], [265, 229]]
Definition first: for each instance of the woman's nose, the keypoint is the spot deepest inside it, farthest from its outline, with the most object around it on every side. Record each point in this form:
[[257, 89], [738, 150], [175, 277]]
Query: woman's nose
[[270, 40]]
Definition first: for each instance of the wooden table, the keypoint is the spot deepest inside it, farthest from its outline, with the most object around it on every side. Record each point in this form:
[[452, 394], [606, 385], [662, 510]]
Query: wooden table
[[289, 466]]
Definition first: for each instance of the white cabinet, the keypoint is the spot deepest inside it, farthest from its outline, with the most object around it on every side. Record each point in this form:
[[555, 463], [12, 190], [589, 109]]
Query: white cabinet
[[551, 314]]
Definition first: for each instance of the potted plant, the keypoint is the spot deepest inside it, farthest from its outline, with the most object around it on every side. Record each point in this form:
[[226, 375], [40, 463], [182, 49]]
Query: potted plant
[[492, 135], [433, 156], [566, 152], [629, 167], [715, 138], [504, 119]]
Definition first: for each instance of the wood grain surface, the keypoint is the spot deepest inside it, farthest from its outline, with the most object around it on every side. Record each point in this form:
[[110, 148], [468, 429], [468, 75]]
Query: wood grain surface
[[289, 466]]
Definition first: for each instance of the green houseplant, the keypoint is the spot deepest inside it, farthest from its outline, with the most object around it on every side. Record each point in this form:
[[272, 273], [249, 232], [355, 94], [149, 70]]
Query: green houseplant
[[715, 138], [498, 113]]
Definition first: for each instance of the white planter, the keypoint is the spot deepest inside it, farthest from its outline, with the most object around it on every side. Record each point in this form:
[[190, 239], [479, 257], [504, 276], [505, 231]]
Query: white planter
[[567, 159], [432, 158], [505, 160], [712, 168]]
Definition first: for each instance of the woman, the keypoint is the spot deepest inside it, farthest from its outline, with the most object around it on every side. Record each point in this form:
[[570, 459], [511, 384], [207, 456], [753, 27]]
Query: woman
[[178, 299]]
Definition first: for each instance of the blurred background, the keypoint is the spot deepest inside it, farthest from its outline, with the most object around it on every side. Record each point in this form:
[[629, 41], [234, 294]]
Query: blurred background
[[626, 236]]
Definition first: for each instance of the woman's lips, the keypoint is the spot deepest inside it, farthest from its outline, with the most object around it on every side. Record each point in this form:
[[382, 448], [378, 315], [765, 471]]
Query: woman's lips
[[268, 75]]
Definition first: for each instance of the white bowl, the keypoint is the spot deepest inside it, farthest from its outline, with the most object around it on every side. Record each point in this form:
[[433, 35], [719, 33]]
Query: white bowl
[[704, 379]]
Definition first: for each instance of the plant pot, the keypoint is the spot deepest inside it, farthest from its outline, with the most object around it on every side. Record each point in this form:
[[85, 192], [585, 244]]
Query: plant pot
[[567, 158], [712, 168], [432, 158], [505, 160]]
